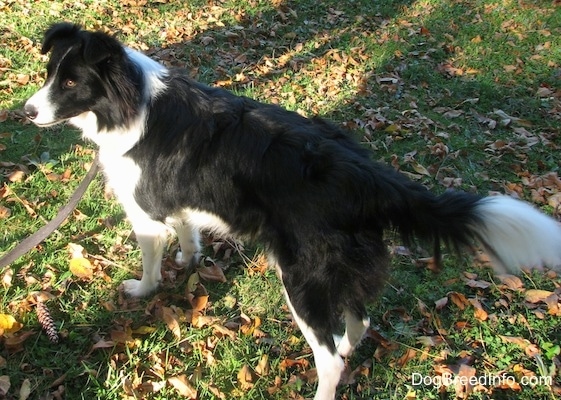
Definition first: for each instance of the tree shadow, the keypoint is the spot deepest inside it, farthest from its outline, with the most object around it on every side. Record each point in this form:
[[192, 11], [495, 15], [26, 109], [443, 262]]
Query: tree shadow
[[272, 53]]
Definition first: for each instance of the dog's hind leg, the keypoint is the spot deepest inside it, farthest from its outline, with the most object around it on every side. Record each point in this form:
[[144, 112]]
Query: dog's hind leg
[[329, 364], [356, 324], [189, 245], [151, 237]]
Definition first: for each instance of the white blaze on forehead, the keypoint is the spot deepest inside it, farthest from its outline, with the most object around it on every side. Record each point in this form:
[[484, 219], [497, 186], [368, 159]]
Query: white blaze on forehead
[[43, 101]]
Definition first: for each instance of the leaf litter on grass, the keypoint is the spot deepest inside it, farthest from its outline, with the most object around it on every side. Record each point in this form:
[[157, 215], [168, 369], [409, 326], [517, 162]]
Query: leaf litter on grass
[[277, 57]]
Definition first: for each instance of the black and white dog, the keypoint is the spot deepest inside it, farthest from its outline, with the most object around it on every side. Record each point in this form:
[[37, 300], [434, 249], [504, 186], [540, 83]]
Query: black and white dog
[[182, 155]]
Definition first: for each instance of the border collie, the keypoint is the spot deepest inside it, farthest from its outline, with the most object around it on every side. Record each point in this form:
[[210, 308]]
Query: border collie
[[185, 156]]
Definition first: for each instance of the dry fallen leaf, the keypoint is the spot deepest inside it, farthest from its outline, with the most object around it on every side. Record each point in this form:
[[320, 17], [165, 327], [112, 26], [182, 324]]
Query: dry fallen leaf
[[81, 268], [511, 281], [246, 378], [171, 319], [479, 312], [7, 278], [213, 273], [183, 386], [8, 324], [458, 299], [406, 357], [25, 389], [4, 385], [529, 348], [536, 295], [263, 366]]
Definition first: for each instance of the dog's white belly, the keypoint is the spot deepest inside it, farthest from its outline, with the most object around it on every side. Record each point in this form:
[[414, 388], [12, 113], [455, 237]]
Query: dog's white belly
[[201, 220]]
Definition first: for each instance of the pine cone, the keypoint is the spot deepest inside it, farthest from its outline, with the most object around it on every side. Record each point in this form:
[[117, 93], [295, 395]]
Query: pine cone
[[46, 321]]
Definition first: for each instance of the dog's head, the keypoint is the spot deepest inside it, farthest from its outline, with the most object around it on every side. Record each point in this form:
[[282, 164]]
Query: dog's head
[[78, 74]]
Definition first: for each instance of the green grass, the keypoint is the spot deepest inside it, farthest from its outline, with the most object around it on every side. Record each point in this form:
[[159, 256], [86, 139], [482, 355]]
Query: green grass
[[432, 77]]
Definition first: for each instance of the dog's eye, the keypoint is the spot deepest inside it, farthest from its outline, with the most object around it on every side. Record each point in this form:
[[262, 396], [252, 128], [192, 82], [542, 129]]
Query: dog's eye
[[69, 83]]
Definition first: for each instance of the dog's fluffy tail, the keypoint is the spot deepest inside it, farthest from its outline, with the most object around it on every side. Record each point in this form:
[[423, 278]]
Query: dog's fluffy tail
[[513, 233]]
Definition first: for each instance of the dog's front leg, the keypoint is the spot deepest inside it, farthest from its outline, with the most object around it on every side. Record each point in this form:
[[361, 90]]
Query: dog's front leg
[[151, 237]]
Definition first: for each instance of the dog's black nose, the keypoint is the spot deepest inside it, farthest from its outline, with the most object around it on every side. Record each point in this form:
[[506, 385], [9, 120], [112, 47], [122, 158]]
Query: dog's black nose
[[30, 111]]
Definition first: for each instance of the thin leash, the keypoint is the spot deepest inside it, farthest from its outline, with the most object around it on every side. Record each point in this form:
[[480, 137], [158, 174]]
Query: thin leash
[[33, 240]]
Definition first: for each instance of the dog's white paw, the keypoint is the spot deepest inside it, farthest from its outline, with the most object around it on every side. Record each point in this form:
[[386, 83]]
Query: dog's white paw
[[136, 288], [187, 260]]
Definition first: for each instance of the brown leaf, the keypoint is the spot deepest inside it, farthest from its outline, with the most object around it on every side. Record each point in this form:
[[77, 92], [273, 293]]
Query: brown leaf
[[479, 284], [16, 176], [5, 212], [300, 363], [536, 295], [221, 331], [249, 326], [171, 319], [193, 282], [213, 273], [406, 357], [462, 385], [263, 368], [198, 303], [458, 299], [4, 385], [430, 341], [7, 278], [441, 303], [511, 281], [246, 378], [479, 312], [14, 343], [183, 386], [529, 348], [453, 114]]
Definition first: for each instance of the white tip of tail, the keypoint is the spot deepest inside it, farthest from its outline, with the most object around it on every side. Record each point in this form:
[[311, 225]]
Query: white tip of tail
[[517, 235]]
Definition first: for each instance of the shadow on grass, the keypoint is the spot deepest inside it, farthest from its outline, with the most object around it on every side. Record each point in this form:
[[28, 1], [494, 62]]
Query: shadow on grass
[[246, 57]]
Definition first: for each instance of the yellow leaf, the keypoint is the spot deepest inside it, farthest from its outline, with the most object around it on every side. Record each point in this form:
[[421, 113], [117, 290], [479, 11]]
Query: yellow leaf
[[144, 330], [193, 282], [81, 267], [8, 324], [420, 169]]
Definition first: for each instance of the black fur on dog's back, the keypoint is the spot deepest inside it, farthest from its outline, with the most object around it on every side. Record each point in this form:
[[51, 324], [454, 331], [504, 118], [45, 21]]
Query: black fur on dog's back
[[302, 186]]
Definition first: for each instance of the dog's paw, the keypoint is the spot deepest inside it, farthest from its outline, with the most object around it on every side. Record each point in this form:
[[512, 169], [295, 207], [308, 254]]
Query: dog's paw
[[187, 260], [136, 288]]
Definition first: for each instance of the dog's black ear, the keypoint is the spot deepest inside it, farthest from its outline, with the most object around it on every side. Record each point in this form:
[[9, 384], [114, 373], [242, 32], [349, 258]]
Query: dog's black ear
[[99, 46], [60, 31]]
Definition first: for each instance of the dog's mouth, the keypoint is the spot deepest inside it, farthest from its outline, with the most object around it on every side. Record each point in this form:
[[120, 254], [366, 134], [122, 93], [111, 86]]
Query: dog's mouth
[[47, 124]]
